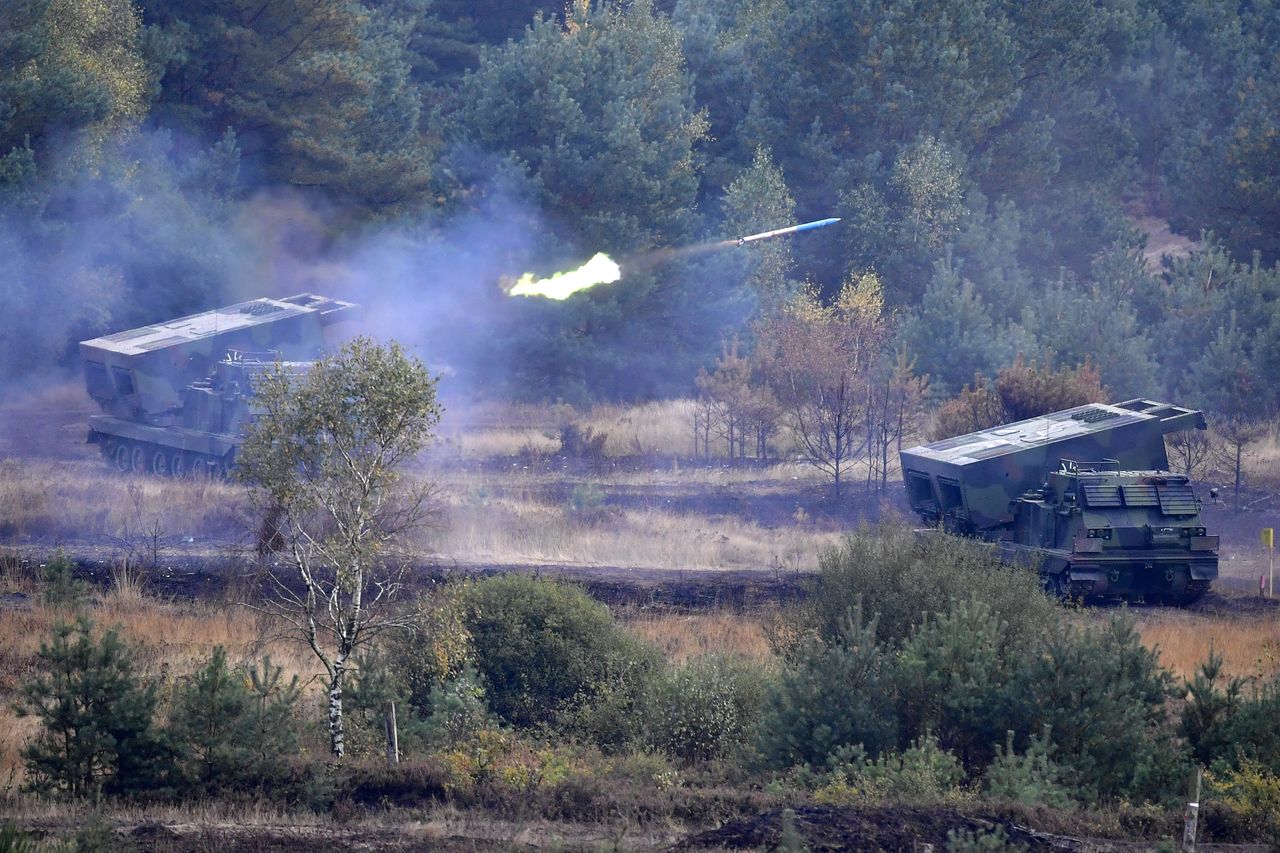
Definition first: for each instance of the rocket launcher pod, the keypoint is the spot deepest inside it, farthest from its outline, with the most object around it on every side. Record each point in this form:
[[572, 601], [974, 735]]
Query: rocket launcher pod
[[175, 395], [1084, 493]]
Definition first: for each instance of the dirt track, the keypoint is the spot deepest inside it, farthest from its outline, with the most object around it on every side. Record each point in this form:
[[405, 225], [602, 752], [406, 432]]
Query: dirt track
[[223, 577]]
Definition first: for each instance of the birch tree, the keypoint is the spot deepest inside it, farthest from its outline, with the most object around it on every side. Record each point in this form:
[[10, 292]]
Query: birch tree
[[325, 456], [818, 360]]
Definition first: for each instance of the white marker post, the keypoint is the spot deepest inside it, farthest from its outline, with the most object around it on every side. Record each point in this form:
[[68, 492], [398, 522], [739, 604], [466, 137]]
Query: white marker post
[[1269, 542], [1193, 814]]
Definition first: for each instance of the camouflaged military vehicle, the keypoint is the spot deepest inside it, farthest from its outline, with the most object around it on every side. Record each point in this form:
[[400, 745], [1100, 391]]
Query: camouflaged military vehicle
[[177, 395], [1085, 494]]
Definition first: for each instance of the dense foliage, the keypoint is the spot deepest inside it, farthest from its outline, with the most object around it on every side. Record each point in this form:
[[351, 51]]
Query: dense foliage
[[992, 160], [917, 671]]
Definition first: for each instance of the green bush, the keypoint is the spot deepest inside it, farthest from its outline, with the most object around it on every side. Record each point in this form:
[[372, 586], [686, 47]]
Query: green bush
[[97, 734], [232, 729], [434, 648], [1032, 778], [1103, 695], [458, 709], [14, 840], [1224, 723], [703, 709], [956, 677], [982, 841], [547, 653], [1247, 798], [61, 588], [829, 696], [898, 575], [922, 773]]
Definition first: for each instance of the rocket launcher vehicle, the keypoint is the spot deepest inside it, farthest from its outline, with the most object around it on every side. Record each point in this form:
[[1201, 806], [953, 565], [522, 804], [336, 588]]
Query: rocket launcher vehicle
[[1085, 494], [175, 395]]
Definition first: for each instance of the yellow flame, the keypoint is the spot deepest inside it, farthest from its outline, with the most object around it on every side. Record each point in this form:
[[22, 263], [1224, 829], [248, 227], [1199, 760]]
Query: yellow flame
[[599, 270]]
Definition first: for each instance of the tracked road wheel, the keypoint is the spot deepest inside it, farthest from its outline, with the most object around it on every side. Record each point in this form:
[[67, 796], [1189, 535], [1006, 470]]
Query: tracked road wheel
[[137, 459], [160, 462], [121, 457], [178, 465]]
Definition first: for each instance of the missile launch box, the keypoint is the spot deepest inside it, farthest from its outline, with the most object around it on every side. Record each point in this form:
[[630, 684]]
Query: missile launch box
[[175, 396], [1085, 494]]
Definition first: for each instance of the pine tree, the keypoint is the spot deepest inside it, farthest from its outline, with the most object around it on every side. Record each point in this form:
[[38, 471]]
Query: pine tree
[[96, 731], [232, 728]]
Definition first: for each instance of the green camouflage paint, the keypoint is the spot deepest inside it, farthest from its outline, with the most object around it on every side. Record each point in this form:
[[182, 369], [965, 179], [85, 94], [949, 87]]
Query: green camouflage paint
[[1084, 493], [175, 395]]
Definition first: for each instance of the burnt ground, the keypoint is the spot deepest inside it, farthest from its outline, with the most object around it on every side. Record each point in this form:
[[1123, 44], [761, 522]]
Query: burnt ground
[[816, 828], [223, 577], [909, 828]]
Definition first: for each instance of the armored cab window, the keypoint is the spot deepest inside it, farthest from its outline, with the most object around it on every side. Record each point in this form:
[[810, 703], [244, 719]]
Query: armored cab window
[[918, 489], [952, 496], [96, 380], [123, 381]]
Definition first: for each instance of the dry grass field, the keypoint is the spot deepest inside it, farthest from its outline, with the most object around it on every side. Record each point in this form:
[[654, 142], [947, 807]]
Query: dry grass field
[[507, 498], [1249, 645]]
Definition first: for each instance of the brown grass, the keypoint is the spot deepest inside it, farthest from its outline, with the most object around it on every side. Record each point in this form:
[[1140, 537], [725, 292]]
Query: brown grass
[[681, 636], [1250, 646], [511, 531], [660, 428], [85, 500]]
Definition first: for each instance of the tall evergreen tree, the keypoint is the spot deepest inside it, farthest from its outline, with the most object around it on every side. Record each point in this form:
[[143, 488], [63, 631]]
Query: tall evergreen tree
[[600, 112], [317, 91], [95, 713]]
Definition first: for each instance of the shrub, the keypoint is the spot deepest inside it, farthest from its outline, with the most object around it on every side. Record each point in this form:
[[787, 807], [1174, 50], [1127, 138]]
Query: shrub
[[922, 773], [14, 840], [1213, 700], [997, 840], [547, 653], [1103, 695], [1031, 778], [956, 676], [899, 575], [703, 709], [96, 731], [1250, 797], [1222, 724], [435, 647], [458, 709], [829, 695], [62, 591], [232, 728], [579, 443]]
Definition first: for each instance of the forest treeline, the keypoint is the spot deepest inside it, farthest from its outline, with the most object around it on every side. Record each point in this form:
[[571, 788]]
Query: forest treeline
[[990, 160]]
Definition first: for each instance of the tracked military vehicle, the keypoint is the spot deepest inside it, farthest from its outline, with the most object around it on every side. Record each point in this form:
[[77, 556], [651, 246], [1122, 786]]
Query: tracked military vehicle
[[176, 396], [1085, 494]]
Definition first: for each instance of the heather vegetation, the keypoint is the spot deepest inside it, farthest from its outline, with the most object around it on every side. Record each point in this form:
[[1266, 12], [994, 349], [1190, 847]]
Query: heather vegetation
[[962, 689]]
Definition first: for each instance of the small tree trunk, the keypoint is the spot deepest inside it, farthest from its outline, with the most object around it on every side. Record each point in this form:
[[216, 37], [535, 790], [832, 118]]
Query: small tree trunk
[[393, 735], [337, 743], [1239, 463]]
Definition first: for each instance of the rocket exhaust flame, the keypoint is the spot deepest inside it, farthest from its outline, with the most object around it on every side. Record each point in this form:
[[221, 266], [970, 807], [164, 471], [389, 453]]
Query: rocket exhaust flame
[[601, 269]]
